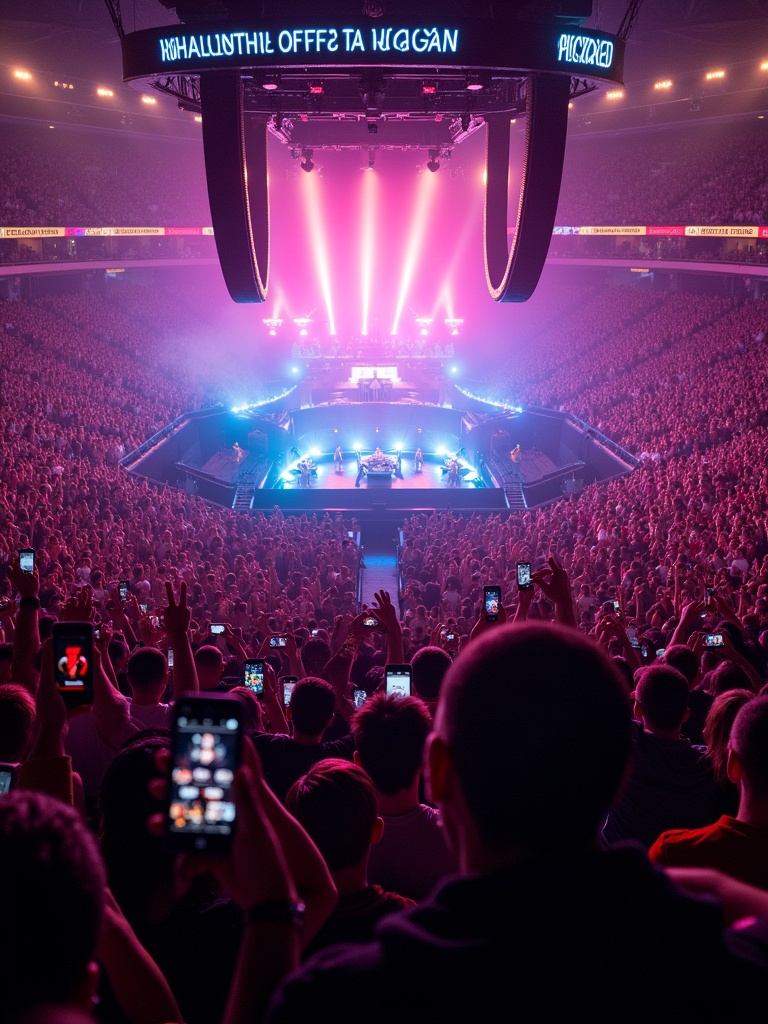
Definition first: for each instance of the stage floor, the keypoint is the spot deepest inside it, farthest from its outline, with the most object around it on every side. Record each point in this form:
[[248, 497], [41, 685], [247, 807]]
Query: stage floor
[[430, 478]]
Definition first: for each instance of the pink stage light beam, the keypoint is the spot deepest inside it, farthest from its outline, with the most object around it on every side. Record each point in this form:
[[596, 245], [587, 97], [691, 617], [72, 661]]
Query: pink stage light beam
[[367, 241], [310, 186], [425, 193]]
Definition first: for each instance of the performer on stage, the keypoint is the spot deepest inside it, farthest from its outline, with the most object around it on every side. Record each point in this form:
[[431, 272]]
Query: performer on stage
[[338, 460], [516, 454], [454, 476], [418, 460], [238, 452]]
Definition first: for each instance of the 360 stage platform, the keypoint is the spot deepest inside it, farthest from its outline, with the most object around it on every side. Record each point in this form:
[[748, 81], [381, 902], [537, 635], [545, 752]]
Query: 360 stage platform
[[560, 455]]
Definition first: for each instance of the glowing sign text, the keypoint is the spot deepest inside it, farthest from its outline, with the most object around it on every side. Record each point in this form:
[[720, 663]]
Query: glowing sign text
[[575, 49], [301, 41]]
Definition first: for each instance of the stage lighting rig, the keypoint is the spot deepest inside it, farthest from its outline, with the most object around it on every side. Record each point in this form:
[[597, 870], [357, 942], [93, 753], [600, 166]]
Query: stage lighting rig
[[307, 164], [433, 164], [490, 63]]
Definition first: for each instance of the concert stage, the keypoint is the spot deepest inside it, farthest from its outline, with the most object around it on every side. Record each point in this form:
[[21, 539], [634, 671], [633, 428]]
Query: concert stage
[[560, 456]]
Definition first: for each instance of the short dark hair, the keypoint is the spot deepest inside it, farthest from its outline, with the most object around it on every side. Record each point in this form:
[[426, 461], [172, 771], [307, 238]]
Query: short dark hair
[[663, 694], [681, 657], [52, 883], [336, 803], [209, 656], [17, 716], [428, 668], [749, 739], [537, 721], [315, 655], [313, 702], [389, 734], [146, 667]]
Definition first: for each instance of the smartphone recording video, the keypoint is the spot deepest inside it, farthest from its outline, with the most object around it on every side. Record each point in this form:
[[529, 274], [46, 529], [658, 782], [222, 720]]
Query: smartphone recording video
[[524, 581], [27, 560], [492, 603], [206, 749], [253, 676], [73, 661], [398, 680]]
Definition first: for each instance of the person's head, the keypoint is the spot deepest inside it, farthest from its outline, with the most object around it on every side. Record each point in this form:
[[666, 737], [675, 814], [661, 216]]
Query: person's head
[[530, 743], [336, 803], [119, 653], [313, 702], [209, 662], [254, 711], [718, 725], [681, 657], [315, 655], [748, 760], [661, 698], [728, 676], [17, 717], [137, 860], [428, 668], [147, 672], [390, 733], [52, 883]]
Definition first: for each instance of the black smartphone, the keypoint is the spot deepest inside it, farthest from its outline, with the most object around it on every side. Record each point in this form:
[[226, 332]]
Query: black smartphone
[[277, 641], [27, 560], [492, 603], [217, 628], [524, 581], [253, 676], [170, 657], [288, 684], [123, 590], [714, 640], [206, 749], [73, 661], [710, 593], [617, 606], [398, 680], [371, 622], [7, 777], [358, 698], [144, 608]]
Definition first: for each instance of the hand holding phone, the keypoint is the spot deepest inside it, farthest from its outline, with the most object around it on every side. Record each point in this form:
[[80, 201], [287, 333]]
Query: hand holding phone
[[398, 680], [492, 603], [253, 676], [73, 661], [524, 581], [206, 751], [27, 560]]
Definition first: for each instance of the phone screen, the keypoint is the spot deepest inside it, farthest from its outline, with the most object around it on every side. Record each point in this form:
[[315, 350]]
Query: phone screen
[[205, 753], [123, 590], [713, 640], [398, 680], [359, 698], [524, 576], [288, 684], [492, 599], [73, 661], [170, 657], [253, 676], [217, 628], [27, 560], [277, 641]]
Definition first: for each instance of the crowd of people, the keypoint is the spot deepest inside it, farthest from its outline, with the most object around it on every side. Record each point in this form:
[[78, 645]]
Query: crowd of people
[[417, 875], [699, 174]]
